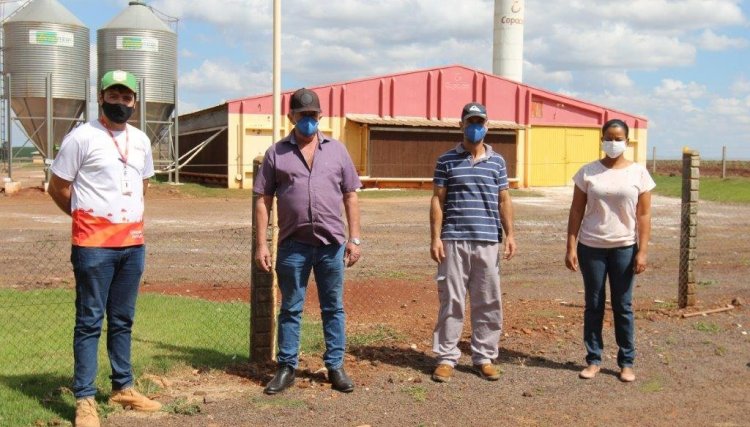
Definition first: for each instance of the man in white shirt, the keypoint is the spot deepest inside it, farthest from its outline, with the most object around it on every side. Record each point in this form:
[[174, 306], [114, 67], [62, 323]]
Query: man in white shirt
[[99, 178]]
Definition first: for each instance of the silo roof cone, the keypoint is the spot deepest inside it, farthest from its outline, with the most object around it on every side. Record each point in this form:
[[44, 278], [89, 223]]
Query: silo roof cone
[[48, 11], [138, 16]]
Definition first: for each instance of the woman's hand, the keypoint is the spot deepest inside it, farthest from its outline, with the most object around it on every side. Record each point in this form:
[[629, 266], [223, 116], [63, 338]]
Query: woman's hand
[[571, 260], [641, 260]]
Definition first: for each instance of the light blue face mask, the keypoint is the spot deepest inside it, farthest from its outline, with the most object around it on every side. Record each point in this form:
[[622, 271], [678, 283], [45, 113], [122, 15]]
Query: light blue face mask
[[475, 132], [307, 126]]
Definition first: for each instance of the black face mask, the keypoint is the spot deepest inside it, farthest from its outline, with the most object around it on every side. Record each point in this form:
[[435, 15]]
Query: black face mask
[[117, 113]]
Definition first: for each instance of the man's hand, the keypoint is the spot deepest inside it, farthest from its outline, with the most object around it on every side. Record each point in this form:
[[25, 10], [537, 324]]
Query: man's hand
[[437, 251], [351, 254], [510, 247], [263, 257]]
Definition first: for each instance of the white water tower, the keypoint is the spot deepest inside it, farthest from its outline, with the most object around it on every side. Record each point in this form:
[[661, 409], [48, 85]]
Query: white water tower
[[507, 48]]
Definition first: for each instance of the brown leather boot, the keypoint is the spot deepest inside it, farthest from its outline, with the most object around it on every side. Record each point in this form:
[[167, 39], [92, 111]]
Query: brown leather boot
[[130, 398], [488, 371], [589, 372], [442, 373], [627, 375], [86, 414]]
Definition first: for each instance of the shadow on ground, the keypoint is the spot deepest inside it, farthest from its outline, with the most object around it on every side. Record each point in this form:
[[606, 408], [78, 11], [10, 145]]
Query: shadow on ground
[[409, 358]]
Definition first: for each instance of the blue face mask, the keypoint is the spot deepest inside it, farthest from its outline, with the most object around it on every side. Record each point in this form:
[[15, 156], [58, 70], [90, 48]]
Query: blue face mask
[[307, 126], [475, 132]]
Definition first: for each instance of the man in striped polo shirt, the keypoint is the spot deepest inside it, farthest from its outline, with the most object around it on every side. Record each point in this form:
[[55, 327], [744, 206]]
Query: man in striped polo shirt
[[470, 211]]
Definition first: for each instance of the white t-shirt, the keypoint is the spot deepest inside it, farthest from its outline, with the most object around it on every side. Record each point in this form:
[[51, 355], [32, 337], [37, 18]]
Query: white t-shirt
[[611, 200], [107, 194]]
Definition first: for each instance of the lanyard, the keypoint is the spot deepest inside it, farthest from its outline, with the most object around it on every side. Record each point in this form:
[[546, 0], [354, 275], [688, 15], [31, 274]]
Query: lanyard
[[123, 157]]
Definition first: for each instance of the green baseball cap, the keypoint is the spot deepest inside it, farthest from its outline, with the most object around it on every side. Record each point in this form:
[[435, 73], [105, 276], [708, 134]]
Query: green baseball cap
[[120, 77]]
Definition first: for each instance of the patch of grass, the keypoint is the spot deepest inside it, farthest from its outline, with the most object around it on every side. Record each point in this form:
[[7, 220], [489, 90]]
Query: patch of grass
[[418, 393], [720, 350], [706, 283], [706, 327], [393, 274], [652, 386], [181, 406], [311, 337], [170, 332], [146, 386], [549, 314], [277, 402], [396, 193], [376, 335], [666, 305], [392, 194], [667, 359], [730, 190], [159, 183]]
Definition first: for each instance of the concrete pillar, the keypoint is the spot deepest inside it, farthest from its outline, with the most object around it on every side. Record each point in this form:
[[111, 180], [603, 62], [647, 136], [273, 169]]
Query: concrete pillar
[[689, 227], [262, 297]]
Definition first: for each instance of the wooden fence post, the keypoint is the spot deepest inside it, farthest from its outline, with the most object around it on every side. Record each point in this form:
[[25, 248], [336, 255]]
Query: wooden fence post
[[689, 227], [262, 295]]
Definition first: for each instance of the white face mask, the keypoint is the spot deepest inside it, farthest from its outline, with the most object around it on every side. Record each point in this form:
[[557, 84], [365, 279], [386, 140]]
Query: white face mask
[[614, 148]]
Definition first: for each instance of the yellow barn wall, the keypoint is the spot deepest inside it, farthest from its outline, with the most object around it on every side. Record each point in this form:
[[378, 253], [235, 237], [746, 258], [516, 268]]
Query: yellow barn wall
[[521, 156], [556, 153], [546, 156], [250, 135]]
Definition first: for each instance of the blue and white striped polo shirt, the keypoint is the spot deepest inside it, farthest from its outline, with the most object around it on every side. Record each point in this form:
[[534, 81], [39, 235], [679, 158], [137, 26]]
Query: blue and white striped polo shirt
[[471, 209]]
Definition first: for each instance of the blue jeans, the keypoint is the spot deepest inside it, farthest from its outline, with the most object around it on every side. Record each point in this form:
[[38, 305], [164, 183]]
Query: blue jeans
[[107, 281], [596, 265], [295, 260]]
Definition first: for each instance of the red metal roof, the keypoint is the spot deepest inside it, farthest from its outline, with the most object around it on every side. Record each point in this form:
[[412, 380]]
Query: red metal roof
[[440, 93]]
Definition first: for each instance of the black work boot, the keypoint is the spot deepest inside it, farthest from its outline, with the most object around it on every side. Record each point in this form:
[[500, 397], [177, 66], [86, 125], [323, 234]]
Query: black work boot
[[284, 378], [340, 381]]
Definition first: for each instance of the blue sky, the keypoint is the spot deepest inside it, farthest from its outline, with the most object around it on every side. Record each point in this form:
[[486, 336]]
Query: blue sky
[[685, 65]]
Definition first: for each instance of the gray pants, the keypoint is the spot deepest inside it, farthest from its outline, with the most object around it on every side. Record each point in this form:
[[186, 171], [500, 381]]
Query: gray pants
[[475, 266]]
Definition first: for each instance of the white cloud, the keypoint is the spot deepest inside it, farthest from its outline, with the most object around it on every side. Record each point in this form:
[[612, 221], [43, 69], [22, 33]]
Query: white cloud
[[665, 16], [682, 14], [597, 50], [250, 13], [714, 42], [225, 79], [681, 94], [186, 107], [537, 73], [615, 46], [741, 85]]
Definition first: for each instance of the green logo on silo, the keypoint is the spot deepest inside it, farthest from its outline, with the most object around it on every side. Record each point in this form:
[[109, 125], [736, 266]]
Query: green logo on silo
[[132, 43], [148, 44], [51, 38], [46, 37]]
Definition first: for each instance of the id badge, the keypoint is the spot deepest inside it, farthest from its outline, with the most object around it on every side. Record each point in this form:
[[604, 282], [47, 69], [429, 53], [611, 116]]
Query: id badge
[[125, 185]]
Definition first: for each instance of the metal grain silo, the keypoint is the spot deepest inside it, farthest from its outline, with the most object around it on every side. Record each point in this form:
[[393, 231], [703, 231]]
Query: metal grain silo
[[138, 41], [44, 39]]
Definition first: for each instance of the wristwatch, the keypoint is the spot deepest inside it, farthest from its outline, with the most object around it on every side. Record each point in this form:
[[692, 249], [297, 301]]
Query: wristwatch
[[355, 241]]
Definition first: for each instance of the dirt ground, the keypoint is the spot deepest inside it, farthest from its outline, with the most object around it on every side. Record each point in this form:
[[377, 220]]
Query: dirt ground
[[691, 371]]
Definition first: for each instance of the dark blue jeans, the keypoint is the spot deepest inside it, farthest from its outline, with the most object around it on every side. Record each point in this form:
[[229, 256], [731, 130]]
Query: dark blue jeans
[[107, 282], [295, 261], [598, 264]]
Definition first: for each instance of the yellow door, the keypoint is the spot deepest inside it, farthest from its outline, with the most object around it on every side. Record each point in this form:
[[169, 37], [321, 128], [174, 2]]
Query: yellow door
[[556, 154]]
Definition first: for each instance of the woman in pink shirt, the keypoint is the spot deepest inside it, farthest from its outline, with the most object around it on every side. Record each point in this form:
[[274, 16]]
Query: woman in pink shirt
[[608, 232]]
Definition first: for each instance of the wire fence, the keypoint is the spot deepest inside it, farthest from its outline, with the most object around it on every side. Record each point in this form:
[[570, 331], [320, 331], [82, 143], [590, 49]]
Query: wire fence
[[37, 293], [197, 279]]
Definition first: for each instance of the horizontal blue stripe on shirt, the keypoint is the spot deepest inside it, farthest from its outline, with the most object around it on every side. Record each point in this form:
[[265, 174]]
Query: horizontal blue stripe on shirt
[[471, 210]]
